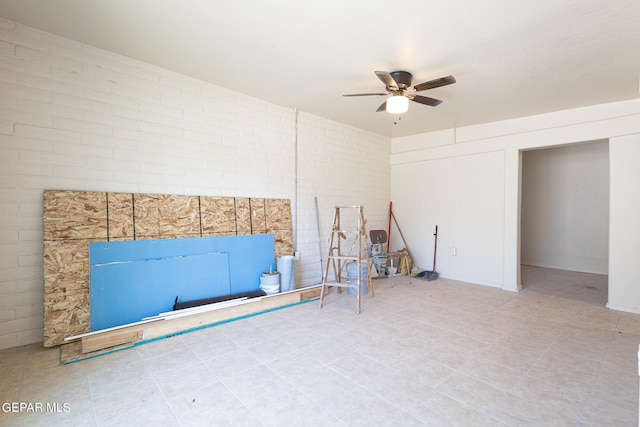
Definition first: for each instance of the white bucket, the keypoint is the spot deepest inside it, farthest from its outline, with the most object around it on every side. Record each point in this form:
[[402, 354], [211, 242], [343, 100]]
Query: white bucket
[[286, 268], [270, 282]]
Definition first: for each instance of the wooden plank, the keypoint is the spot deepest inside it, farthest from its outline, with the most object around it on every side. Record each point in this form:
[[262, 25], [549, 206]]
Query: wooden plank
[[168, 327], [120, 217], [218, 215], [75, 215], [95, 343], [158, 328], [309, 293]]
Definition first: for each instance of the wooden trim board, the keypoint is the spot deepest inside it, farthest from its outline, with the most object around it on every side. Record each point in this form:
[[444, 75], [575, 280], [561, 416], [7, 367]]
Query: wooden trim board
[[133, 334]]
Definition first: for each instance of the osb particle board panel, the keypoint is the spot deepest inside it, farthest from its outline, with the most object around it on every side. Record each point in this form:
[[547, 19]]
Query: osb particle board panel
[[258, 217], [66, 265], [218, 215], [75, 215], [146, 215], [120, 215], [283, 242], [65, 314], [243, 216], [278, 214], [73, 219], [179, 215]]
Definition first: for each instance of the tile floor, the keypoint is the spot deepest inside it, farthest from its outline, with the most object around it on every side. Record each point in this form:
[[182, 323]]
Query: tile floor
[[439, 353]]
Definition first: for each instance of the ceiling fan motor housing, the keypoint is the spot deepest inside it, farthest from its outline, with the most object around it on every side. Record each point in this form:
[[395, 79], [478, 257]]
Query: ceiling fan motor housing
[[402, 78]]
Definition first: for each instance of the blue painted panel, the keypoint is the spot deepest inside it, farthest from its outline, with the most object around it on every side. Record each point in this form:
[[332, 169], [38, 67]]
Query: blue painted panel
[[125, 292], [136, 279]]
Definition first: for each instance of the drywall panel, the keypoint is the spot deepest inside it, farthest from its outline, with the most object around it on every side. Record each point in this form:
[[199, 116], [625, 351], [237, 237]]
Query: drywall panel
[[479, 218], [136, 279], [127, 292], [565, 207]]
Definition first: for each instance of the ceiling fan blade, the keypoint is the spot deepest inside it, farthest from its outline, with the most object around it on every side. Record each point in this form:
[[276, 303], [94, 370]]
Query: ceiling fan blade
[[386, 78], [432, 84], [364, 94], [382, 107], [426, 100]]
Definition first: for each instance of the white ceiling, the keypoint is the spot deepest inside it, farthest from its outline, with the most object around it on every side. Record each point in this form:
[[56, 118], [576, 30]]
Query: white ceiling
[[512, 58]]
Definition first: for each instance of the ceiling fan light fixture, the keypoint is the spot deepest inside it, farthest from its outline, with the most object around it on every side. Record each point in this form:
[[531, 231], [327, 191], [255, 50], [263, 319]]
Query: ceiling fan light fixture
[[397, 104]]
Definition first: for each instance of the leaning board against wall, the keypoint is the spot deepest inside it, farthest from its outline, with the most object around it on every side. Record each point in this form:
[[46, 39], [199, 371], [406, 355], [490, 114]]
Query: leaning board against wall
[[74, 219]]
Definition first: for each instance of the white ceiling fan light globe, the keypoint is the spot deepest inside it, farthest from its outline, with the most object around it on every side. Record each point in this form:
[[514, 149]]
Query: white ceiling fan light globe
[[397, 104]]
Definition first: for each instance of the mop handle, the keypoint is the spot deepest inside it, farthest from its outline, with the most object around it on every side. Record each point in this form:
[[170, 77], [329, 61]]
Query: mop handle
[[435, 246]]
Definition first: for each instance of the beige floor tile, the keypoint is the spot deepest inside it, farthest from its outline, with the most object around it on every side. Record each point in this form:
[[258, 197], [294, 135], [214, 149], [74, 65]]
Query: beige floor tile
[[471, 392], [436, 409], [122, 402], [214, 405], [231, 363], [183, 380], [426, 353], [493, 373], [567, 401], [517, 411]]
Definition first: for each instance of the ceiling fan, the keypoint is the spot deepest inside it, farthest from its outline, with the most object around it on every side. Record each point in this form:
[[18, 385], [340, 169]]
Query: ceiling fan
[[398, 85]]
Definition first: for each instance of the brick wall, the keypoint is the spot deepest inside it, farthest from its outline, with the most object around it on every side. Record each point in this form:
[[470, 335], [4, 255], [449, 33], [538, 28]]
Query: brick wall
[[75, 117]]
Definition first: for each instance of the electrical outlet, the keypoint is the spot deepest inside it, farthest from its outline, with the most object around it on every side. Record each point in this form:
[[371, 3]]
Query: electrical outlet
[[296, 256], [454, 251]]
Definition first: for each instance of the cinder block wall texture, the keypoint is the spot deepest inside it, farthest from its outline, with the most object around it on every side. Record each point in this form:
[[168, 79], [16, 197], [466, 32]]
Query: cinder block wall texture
[[74, 117]]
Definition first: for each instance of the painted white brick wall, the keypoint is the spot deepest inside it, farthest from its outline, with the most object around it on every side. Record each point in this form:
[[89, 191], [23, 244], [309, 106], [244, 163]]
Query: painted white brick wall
[[79, 118]]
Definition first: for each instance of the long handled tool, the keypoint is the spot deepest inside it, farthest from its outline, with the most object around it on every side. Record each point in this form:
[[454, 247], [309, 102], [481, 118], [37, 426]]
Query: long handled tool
[[433, 274]]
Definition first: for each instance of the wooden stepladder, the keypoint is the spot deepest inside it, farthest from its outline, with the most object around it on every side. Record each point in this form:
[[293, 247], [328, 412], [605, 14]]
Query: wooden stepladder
[[339, 256]]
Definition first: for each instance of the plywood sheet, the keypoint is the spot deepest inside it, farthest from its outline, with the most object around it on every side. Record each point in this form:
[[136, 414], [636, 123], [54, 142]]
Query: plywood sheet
[[75, 215], [75, 218], [258, 217], [66, 266], [278, 214], [120, 215], [218, 215], [243, 216], [146, 215], [283, 242], [179, 215], [65, 314]]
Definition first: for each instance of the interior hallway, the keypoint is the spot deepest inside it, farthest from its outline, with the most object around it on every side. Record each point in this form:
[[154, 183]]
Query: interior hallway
[[426, 353]]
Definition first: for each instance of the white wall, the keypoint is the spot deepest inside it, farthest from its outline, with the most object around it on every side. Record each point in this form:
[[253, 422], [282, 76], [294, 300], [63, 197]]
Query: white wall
[[79, 118], [565, 207], [624, 225], [494, 223]]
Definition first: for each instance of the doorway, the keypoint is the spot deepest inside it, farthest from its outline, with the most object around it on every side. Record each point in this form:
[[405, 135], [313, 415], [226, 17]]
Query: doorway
[[564, 223]]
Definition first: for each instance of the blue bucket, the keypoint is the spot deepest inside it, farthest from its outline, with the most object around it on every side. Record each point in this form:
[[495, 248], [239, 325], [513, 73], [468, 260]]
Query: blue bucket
[[352, 273]]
